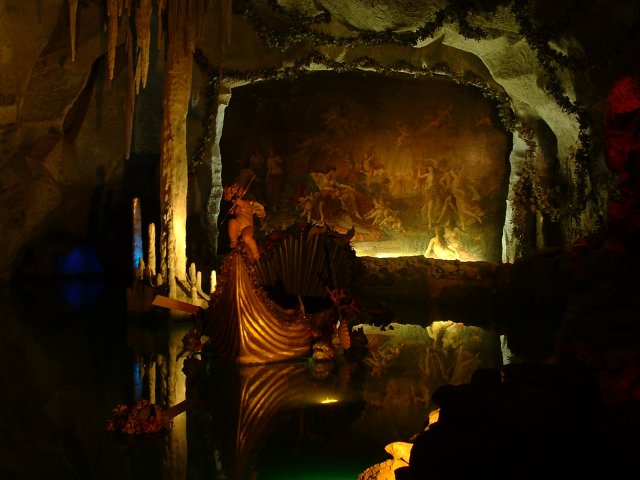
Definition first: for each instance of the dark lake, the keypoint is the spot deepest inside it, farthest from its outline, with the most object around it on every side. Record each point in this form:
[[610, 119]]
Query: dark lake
[[71, 355]]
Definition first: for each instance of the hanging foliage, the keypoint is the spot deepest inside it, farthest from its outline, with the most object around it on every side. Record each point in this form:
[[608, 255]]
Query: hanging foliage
[[539, 37]]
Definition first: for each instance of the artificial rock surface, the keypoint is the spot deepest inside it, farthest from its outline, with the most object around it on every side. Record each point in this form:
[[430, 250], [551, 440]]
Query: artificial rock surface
[[570, 397], [63, 126], [62, 158]]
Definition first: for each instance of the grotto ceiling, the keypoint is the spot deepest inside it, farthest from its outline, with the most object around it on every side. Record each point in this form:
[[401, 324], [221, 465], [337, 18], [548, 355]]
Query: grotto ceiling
[[93, 93]]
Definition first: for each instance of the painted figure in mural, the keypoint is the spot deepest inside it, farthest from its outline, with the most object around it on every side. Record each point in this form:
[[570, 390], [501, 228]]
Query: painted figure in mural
[[468, 209], [452, 235], [330, 188], [384, 217], [240, 220], [463, 206], [371, 168], [425, 182], [439, 248], [391, 223], [378, 212], [442, 119], [305, 205], [275, 176]]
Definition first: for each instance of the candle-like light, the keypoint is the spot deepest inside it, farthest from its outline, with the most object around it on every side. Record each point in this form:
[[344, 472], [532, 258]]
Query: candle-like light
[[213, 281]]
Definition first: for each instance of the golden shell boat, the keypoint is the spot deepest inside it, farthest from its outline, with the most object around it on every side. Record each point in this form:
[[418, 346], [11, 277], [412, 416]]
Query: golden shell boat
[[269, 310]]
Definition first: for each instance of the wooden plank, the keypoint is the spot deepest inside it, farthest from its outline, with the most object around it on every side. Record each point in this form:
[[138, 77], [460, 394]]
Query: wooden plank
[[172, 303]]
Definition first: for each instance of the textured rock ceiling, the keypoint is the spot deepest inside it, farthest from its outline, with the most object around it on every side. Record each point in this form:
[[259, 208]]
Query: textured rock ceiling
[[373, 15]]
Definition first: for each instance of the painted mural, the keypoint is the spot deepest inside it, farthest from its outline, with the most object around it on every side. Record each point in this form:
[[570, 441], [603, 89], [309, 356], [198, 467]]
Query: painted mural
[[414, 166]]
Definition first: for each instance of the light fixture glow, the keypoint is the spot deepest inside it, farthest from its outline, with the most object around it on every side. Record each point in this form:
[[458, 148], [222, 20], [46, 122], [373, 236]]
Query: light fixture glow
[[329, 400]]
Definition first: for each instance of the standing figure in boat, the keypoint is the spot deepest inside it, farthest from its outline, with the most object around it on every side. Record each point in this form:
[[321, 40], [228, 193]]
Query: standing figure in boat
[[240, 217]]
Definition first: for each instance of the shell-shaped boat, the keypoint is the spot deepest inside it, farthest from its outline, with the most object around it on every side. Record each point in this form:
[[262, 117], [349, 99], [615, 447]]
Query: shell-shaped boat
[[268, 310]]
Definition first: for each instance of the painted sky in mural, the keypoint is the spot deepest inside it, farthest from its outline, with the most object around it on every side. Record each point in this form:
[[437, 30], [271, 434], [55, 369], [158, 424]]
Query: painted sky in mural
[[415, 166]]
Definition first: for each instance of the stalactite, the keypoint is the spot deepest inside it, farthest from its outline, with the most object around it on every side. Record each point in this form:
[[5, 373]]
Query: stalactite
[[143, 32], [130, 99], [73, 11], [136, 77], [113, 9], [160, 12]]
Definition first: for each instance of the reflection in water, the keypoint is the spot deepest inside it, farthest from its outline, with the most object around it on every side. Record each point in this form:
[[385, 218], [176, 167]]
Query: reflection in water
[[312, 418], [67, 368], [249, 404], [158, 372], [408, 363]]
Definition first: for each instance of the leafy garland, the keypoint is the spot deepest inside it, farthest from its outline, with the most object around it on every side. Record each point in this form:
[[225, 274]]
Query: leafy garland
[[529, 193], [210, 107], [529, 197], [550, 59], [459, 13], [299, 26], [501, 101]]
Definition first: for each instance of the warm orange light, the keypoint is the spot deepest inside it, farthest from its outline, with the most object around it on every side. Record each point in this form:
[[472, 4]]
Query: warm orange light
[[329, 400]]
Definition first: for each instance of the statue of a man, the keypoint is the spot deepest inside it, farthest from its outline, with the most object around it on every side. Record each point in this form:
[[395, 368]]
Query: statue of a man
[[241, 218]]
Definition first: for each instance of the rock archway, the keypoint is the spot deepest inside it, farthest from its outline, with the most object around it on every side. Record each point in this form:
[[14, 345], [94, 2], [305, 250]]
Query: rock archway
[[65, 97]]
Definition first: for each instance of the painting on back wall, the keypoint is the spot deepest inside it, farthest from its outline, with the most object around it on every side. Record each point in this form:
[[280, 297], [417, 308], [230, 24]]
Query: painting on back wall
[[416, 167]]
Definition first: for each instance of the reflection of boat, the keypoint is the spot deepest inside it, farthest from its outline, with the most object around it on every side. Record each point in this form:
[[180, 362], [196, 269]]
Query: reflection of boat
[[245, 323], [247, 405]]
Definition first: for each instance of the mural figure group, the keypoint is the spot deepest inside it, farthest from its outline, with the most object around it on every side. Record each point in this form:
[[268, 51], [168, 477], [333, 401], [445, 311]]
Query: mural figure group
[[434, 197], [405, 185], [331, 189]]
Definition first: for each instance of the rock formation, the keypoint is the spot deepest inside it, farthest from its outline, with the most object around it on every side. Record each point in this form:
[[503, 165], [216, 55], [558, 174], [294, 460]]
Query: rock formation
[[100, 103], [66, 94]]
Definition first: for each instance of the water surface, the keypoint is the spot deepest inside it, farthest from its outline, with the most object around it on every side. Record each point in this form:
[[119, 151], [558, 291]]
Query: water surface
[[71, 354]]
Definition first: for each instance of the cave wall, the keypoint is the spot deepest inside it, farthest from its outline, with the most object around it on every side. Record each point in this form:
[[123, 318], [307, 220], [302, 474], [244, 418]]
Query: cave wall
[[62, 131], [63, 125]]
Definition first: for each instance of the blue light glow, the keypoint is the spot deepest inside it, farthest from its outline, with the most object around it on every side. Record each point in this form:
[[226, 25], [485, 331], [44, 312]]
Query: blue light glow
[[82, 260]]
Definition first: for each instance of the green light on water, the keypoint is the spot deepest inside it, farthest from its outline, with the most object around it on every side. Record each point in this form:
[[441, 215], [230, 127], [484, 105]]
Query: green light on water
[[283, 475]]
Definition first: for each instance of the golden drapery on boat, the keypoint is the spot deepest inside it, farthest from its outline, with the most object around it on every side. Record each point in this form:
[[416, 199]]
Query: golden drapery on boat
[[246, 325]]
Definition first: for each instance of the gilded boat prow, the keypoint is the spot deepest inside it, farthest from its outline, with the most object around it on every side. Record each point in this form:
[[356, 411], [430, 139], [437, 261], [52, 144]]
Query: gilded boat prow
[[246, 326]]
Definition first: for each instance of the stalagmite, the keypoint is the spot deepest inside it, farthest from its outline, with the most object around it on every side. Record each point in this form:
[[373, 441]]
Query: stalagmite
[[192, 274], [73, 11], [137, 233], [143, 31], [214, 282], [151, 248], [152, 380]]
